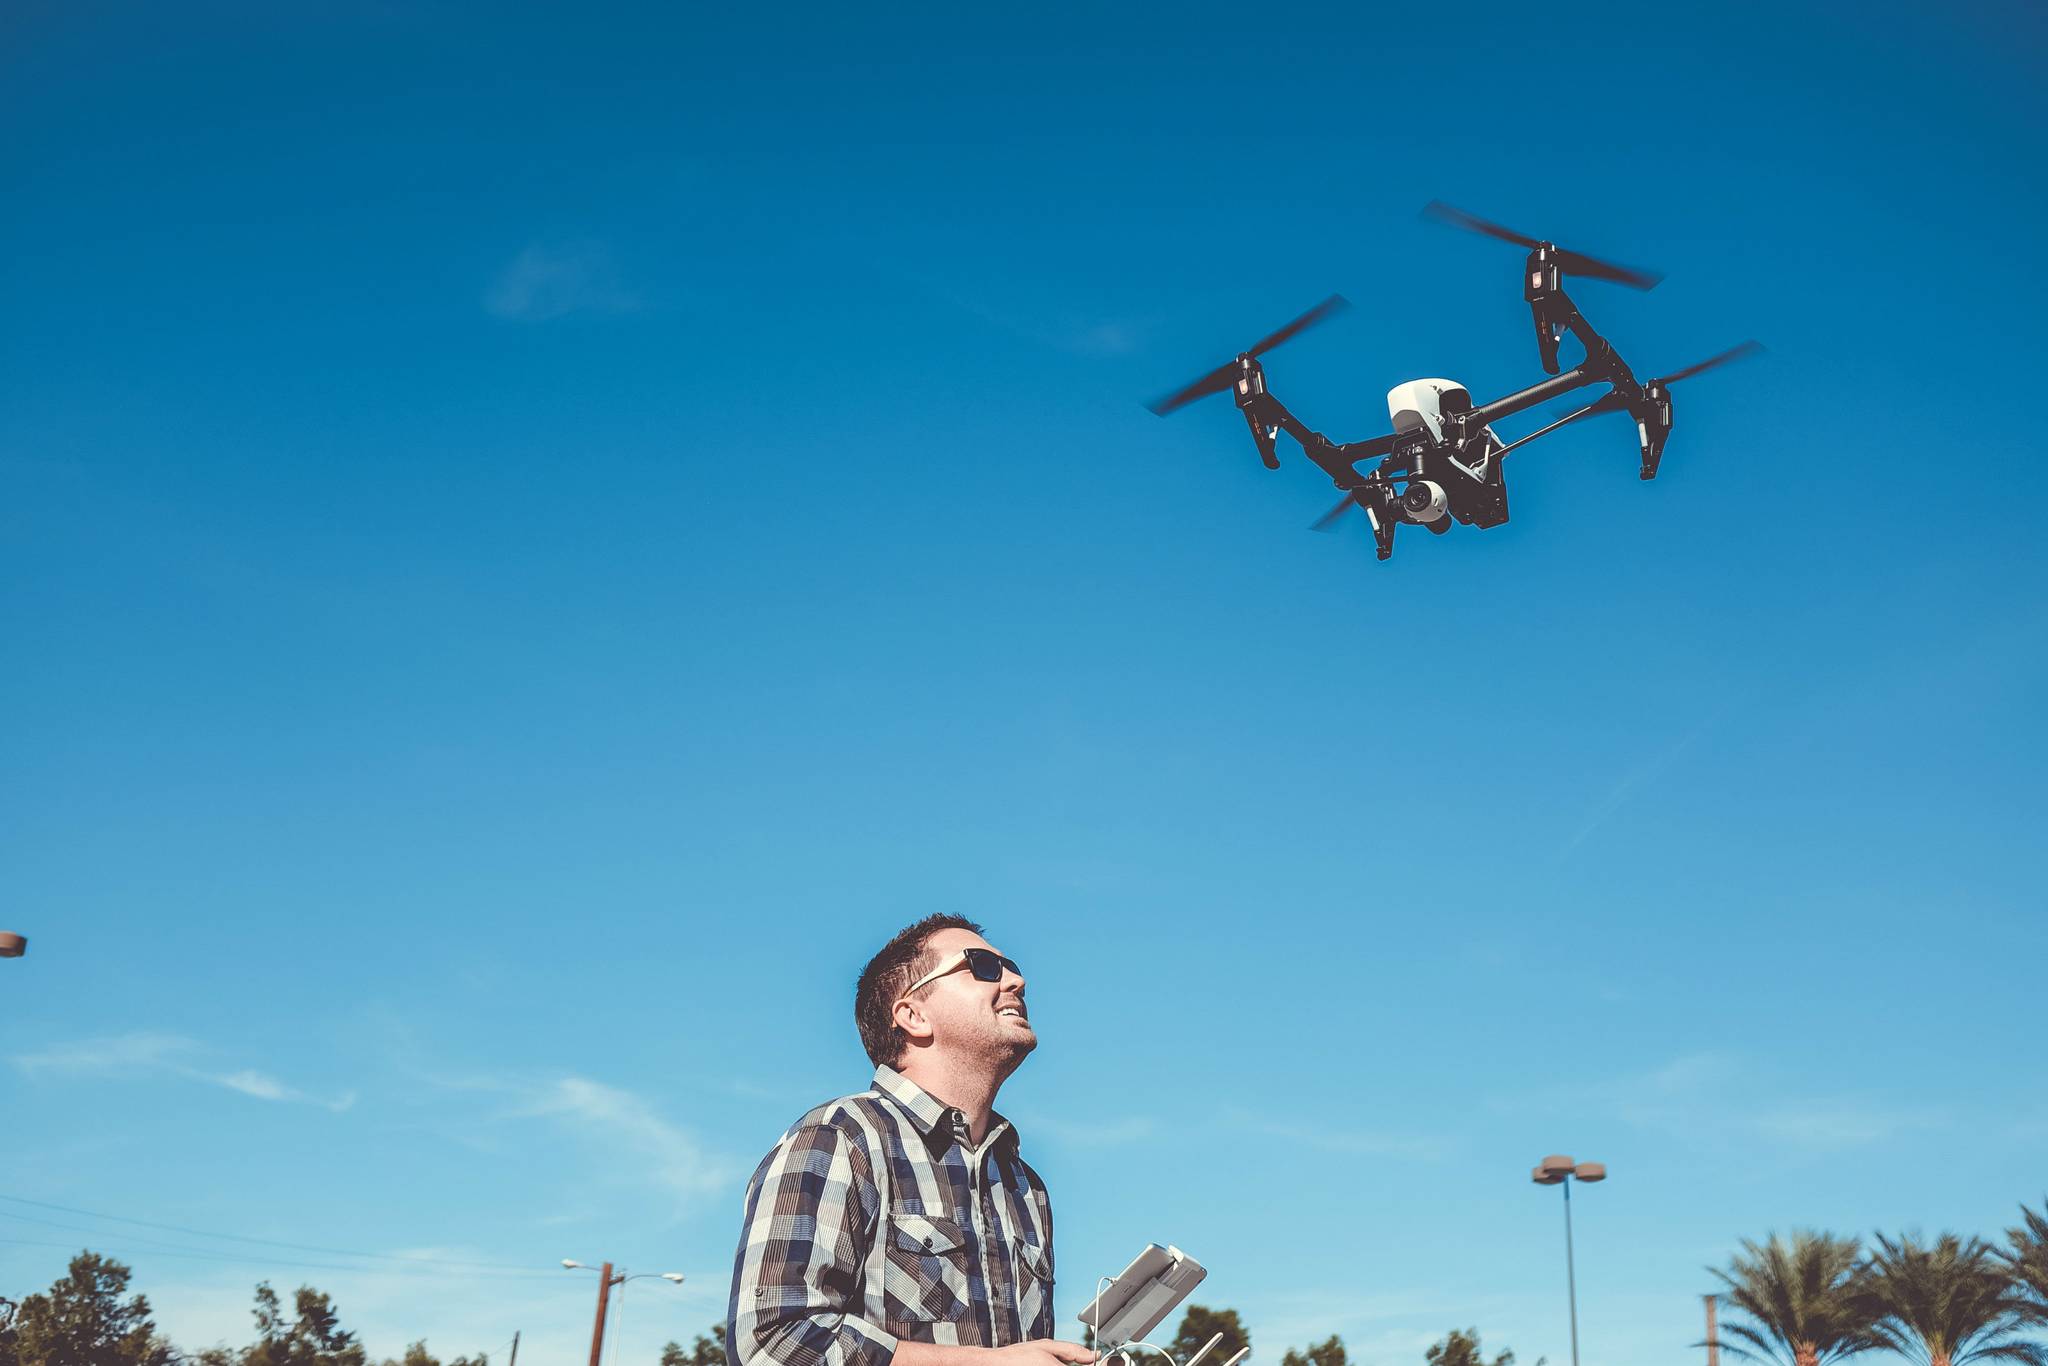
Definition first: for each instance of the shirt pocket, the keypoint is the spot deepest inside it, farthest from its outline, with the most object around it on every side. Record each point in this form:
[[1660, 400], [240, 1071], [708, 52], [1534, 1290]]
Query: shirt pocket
[[924, 1272], [1034, 1288]]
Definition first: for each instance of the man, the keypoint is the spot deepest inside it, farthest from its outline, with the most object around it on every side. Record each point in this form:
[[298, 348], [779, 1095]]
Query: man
[[899, 1227]]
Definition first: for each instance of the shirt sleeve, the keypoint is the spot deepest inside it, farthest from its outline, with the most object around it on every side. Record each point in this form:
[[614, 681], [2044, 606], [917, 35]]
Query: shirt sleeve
[[797, 1284]]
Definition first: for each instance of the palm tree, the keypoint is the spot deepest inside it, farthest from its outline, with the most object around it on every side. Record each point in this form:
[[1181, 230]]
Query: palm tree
[[2027, 1262], [1806, 1300], [1949, 1303]]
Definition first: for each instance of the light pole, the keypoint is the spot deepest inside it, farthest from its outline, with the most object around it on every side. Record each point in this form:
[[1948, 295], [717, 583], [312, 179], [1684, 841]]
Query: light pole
[[1558, 1170], [605, 1282]]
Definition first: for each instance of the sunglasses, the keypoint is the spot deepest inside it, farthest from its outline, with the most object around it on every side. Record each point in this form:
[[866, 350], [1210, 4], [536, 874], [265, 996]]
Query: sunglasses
[[986, 964]]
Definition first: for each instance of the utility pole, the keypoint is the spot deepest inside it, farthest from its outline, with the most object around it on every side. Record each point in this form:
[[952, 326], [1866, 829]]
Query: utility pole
[[515, 1348], [605, 1282]]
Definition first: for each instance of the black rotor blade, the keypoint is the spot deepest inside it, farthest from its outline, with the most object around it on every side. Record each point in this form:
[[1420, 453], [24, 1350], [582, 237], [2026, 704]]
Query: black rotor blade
[[1223, 376], [1328, 520], [1571, 262], [1215, 382], [1458, 218], [1746, 349], [1577, 263], [1335, 304]]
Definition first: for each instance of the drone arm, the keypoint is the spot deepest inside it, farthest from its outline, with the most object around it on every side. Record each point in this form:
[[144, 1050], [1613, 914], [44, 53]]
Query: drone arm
[[1592, 371], [1267, 416]]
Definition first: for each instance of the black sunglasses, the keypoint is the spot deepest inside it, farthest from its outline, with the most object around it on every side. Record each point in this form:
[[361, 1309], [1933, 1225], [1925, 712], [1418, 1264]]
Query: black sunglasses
[[986, 964]]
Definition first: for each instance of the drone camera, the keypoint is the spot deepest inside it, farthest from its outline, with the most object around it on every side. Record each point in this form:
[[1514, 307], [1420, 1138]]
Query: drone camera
[[1424, 501]]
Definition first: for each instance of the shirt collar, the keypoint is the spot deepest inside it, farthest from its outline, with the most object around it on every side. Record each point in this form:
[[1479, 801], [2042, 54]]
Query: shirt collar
[[940, 1124]]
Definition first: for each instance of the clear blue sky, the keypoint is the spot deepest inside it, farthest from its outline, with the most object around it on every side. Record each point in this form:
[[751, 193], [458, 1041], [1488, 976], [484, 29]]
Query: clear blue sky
[[533, 541]]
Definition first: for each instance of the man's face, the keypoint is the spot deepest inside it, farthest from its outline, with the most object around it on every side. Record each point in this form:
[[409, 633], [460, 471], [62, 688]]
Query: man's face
[[971, 1018]]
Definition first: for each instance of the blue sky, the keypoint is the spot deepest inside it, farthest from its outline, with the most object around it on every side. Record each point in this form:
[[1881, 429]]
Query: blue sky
[[534, 540]]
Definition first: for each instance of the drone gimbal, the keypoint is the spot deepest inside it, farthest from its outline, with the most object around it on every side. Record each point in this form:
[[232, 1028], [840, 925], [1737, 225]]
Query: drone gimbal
[[1442, 462]]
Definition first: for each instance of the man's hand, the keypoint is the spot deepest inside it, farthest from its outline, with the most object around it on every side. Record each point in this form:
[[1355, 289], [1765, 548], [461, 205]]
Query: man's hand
[[1043, 1352]]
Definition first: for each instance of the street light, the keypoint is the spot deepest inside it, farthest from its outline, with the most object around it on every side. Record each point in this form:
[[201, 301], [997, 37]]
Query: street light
[[605, 1281], [1558, 1170], [12, 945]]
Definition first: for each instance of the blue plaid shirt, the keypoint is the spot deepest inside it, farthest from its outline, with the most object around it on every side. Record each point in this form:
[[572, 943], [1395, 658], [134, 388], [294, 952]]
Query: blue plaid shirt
[[875, 1220]]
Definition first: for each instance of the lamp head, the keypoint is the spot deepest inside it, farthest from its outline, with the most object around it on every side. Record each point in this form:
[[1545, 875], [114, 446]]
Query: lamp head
[[1542, 1177], [569, 1265], [1590, 1172], [1557, 1165], [12, 945], [675, 1276]]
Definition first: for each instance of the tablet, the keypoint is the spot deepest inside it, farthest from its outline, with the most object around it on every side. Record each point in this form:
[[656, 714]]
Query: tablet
[[1142, 1295]]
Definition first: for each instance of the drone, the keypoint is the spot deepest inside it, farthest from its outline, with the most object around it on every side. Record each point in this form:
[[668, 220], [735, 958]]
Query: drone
[[1442, 462]]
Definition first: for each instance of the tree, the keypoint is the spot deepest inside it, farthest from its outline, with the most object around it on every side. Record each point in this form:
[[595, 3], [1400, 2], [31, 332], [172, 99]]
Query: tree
[[1198, 1325], [82, 1321], [1329, 1352], [703, 1352], [1949, 1303], [313, 1337], [1462, 1349], [1806, 1300], [418, 1355], [2027, 1260]]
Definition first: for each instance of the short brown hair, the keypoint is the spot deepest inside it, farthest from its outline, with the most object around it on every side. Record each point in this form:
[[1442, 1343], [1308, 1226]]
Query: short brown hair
[[902, 961]]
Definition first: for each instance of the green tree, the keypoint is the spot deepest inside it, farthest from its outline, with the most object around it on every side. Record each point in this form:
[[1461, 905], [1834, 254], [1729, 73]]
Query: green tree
[[1329, 1352], [1949, 1303], [1462, 1349], [312, 1337], [418, 1355], [1198, 1325], [2026, 1260], [1807, 1301], [703, 1351], [83, 1321]]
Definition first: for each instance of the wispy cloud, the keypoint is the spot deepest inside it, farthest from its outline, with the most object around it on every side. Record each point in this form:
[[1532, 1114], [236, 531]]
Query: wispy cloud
[[1712, 1092], [545, 282], [146, 1054], [668, 1153], [1617, 796], [1361, 1142]]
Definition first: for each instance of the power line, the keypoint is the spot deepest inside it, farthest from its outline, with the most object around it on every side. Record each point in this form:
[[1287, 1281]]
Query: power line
[[451, 1263], [147, 1252]]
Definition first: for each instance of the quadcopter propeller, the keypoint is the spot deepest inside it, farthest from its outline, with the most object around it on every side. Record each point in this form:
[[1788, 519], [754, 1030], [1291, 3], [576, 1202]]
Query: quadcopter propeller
[[1614, 404], [1223, 376], [1571, 262], [1611, 402], [1328, 520], [1740, 351]]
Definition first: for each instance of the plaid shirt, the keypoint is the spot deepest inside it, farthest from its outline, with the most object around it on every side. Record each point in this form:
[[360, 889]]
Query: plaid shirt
[[874, 1220]]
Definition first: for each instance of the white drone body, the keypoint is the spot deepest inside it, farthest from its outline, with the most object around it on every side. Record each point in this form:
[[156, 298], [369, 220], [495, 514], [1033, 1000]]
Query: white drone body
[[1420, 403], [1417, 410]]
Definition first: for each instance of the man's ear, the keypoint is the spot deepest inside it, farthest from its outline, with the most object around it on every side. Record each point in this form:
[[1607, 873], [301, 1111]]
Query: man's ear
[[909, 1016]]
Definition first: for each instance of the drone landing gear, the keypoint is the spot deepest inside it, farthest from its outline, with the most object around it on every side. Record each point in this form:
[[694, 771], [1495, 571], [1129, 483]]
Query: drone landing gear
[[1653, 425]]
